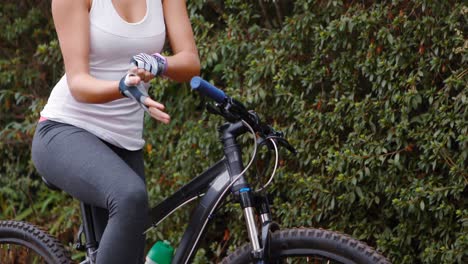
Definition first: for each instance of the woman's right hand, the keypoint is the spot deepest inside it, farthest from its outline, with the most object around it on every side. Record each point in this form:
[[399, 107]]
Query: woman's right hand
[[133, 79], [128, 87], [157, 111]]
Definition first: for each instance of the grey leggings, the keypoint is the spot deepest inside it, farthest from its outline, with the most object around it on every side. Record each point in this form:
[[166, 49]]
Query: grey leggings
[[99, 174]]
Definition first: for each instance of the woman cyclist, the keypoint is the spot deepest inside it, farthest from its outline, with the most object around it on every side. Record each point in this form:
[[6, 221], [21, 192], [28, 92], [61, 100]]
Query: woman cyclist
[[89, 138]]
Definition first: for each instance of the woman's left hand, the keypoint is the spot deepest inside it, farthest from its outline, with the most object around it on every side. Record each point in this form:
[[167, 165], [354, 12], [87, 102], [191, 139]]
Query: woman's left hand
[[148, 66]]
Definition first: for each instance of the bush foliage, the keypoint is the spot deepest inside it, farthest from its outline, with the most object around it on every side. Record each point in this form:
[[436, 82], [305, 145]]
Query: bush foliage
[[373, 95]]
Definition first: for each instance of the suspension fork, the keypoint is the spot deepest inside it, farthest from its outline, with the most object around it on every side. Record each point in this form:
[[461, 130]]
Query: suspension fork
[[260, 243], [263, 208], [246, 202], [268, 226]]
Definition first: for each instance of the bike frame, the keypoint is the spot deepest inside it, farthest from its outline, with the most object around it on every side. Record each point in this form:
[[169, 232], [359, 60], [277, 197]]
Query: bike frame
[[212, 187], [209, 186]]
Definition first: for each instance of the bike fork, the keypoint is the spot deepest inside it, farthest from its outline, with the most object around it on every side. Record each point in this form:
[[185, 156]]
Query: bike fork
[[252, 227], [249, 215], [260, 243]]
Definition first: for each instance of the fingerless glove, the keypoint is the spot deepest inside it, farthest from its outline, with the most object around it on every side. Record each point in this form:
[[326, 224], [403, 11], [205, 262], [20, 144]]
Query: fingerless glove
[[156, 63], [131, 91]]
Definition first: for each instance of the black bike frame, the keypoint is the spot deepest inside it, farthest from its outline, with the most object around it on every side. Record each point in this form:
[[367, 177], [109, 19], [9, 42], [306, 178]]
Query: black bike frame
[[211, 186]]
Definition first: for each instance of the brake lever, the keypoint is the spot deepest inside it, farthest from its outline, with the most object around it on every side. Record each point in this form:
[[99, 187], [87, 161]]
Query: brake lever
[[283, 142], [213, 110], [288, 146]]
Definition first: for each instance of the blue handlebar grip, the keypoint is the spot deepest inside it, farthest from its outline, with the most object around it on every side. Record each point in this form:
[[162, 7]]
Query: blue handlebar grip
[[207, 89]]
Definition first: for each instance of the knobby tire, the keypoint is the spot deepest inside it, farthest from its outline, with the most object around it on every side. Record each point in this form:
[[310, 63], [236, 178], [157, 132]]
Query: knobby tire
[[31, 237], [315, 245]]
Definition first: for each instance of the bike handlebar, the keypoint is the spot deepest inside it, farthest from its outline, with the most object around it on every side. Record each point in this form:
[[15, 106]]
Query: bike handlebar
[[233, 111], [207, 89]]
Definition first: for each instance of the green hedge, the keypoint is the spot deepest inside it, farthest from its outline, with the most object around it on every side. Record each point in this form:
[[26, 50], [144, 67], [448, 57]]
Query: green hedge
[[374, 96]]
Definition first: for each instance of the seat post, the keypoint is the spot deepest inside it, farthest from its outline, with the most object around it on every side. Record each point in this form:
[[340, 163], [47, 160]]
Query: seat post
[[89, 231]]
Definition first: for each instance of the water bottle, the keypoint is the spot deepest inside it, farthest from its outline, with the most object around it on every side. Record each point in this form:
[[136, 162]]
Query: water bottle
[[160, 253]]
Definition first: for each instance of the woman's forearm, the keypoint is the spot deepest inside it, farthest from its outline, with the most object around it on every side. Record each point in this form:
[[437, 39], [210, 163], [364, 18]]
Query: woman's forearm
[[182, 66], [87, 89]]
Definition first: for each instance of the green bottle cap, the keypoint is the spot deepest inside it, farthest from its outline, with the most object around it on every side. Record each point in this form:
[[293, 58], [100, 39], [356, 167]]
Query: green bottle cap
[[161, 252]]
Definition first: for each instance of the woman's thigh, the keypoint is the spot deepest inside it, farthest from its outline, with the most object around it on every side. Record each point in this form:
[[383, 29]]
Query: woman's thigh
[[82, 165]]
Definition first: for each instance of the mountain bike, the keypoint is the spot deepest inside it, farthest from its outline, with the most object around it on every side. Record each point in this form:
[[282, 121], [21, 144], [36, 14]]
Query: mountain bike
[[268, 242]]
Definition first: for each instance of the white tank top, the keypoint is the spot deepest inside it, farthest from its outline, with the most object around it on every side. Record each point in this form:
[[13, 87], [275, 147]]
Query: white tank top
[[113, 41]]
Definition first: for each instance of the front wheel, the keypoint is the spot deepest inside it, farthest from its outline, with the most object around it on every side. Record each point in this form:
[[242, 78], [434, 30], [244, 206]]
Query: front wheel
[[308, 245], [21, 242]]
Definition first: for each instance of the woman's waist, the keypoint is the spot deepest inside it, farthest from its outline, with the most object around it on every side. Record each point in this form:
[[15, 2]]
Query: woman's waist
[[128, 125]]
